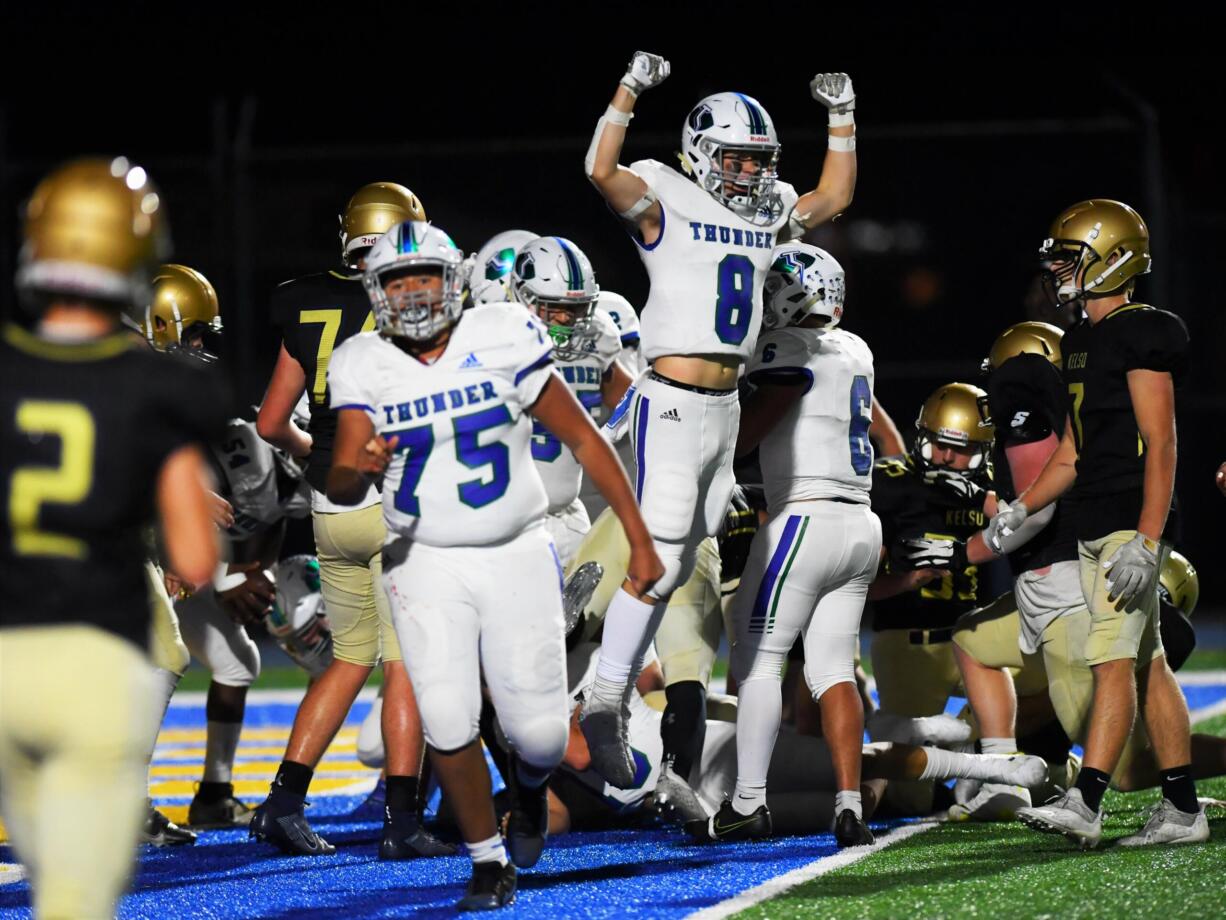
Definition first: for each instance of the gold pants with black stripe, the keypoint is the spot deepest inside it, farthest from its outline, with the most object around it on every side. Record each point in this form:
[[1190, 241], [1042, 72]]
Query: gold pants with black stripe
[[76, 703]]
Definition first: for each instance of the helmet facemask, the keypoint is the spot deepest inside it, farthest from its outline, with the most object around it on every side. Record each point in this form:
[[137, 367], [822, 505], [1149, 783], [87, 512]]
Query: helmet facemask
[[414, 311], [927, 441], [743, 193], [570, 339]]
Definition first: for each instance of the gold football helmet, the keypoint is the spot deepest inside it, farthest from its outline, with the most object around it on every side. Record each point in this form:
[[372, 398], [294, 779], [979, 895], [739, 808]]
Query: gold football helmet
[[1178, 583], [371, 212], [1028, 338], [1095, 248], [184, 302], [950, 416], [94, 228]]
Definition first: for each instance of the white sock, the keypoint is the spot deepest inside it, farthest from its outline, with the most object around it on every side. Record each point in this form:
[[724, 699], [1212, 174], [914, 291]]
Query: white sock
[[998, 745], [848, 799], [953, 765], [486, 851], [629, 626], [220, 749], [759, 706], [165, 683]]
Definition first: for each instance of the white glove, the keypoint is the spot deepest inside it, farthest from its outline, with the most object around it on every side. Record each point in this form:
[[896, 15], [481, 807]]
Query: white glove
[[833, 90], [1132, 568], [1008, 519], [936, 553], [645, 71], [955, 484]]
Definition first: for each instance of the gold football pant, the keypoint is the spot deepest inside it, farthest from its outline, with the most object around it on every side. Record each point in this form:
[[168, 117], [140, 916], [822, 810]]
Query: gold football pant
[[990, 636], [350, 552], [1116, 634], [75, 707], [166, 646]]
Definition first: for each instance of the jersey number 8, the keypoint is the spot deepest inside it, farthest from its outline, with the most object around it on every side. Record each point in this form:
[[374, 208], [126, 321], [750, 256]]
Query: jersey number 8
[[734, 299]]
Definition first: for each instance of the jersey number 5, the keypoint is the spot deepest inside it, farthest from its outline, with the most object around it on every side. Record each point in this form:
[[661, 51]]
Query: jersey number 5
[[734, 299], [66, 484]]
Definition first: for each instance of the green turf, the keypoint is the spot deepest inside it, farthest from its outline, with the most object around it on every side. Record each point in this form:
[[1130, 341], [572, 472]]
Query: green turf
[[1006, 870], [1213, 659], [274, 677]]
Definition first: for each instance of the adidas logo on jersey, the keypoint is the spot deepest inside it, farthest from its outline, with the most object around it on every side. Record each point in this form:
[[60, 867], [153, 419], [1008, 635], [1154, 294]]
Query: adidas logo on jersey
[[670, 416], [470, 361]]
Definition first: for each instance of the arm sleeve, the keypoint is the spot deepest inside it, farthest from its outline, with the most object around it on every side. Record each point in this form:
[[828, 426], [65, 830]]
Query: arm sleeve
[[1155, 340], [348, 381]]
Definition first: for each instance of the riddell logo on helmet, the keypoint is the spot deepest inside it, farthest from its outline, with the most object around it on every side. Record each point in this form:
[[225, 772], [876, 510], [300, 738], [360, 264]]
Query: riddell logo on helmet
[[760, 138]]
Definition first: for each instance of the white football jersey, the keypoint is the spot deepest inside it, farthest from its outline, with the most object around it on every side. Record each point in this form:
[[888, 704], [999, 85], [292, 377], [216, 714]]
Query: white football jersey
[[560, 471], [820, 448], [706, 268], [462, 473], [262, 483], [627, 322]]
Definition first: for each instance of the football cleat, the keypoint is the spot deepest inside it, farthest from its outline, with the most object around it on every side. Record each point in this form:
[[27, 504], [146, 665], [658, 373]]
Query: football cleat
[[1169, 825], [1068, 815], [528, 820], [993, 802], [218, 813], [289, 833], [160, 831], [605, 728], [492, 886], [405, 838], [851, 831], [675, 800], [730, 825]]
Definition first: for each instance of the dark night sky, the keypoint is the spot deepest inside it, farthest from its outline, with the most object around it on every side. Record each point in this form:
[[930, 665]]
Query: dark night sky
[[973, 135]]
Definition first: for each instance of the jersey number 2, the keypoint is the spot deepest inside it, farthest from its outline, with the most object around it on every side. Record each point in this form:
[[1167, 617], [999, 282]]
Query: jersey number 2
[[66, 484], [734, 299]]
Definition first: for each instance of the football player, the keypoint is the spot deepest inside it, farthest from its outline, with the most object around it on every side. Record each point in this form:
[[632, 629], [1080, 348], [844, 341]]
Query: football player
[[439, 402], [490, 281], [937, 491], [1116, 462], [810, 412], [98, 438], [316, 314], [706, 239], [554, 279]]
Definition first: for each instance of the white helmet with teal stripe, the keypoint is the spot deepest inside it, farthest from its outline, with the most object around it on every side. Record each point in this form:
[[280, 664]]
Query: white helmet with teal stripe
[[732, 124], [553, 278], [490, 281], [415, 248], [803, 280]]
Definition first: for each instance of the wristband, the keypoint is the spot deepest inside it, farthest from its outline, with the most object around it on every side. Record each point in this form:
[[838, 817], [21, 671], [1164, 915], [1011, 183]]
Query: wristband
[[842, 119], [632, 86], [617, 116], [841, 144], [224, 581]]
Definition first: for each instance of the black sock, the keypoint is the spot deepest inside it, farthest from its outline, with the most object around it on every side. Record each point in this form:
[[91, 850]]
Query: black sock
[[1092, 783], [214, 792], [402, 793], [292, 779], [684, 725], [1179, 789]]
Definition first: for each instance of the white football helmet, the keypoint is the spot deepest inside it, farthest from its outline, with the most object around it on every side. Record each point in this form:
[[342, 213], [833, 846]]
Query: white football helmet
[[416, 315], [803, 280], [731, 123], [491, 274], [552, 275], [298, 620]]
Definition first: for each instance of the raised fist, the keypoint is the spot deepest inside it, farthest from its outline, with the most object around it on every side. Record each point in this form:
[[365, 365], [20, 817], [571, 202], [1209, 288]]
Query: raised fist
[[645, 71], [833, 90]]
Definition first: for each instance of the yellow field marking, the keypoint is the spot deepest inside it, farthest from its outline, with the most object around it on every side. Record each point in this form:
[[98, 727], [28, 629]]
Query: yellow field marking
[[179, 735], [256, 788], [276, 753], [265, 769]]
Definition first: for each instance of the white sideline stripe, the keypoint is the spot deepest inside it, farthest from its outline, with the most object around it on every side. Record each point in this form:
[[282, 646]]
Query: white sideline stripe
[[777, 886], [198, 697], [1207, 712], [1201, 678], [11, 873]]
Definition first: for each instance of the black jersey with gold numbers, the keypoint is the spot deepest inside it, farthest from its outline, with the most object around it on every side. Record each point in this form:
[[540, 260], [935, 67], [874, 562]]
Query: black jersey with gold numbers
[[84, 431], [315, 314], [909, 508], [1029, 402], [1110, 451]]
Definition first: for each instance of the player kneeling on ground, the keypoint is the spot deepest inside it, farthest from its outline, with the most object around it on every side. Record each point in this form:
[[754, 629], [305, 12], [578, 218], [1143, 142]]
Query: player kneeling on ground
[[441, 405]]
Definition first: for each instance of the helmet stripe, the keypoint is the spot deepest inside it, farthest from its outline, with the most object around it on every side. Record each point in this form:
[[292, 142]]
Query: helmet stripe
[[757, 123], [574, 272]]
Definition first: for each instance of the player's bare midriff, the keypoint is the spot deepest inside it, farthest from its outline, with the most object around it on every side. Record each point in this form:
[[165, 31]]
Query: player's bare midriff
[[712, 372]]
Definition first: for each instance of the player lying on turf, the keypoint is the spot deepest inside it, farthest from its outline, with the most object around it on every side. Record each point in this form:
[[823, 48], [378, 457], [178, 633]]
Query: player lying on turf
[[706, 240], [440, 402]]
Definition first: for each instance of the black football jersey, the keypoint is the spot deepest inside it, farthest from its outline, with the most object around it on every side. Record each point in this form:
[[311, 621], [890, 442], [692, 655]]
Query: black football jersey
[[1028, 402], [909, 508], [84, 431], [1110, 451], [315, 314]]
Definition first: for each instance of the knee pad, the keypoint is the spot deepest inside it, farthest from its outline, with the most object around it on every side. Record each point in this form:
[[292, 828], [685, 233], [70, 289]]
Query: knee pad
[[237, 664], [835, 665], [446, 724], [370, 737], [670, 502], [679, 561], [539, 741], [757, 664]]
